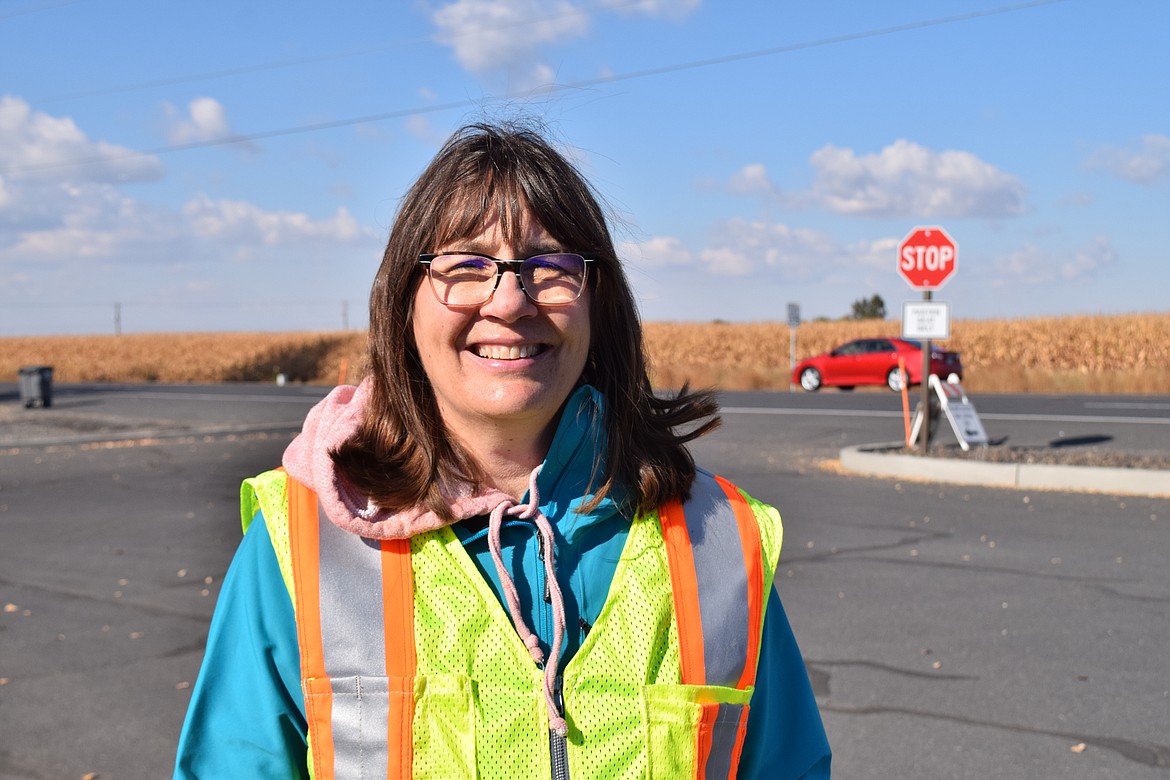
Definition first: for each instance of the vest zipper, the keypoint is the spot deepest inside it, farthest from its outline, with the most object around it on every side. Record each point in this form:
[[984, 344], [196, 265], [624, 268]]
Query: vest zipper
[[540, 557], [556, 743]]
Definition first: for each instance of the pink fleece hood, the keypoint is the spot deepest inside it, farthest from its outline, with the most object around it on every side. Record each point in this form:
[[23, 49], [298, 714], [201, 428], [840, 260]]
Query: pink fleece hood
[[330, 423]]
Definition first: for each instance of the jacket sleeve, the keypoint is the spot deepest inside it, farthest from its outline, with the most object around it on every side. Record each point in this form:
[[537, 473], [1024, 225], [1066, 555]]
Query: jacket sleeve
[[785, 737], [246, 716]]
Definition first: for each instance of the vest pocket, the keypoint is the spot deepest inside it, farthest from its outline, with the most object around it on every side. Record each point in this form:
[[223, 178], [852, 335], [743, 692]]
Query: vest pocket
[[465, 729], [444, 727], [691, 724]]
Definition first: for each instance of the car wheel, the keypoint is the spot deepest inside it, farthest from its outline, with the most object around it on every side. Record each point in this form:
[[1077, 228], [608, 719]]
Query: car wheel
[[810, 380], [894, 380]]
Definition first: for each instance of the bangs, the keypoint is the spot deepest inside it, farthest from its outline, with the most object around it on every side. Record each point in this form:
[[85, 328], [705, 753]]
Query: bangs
[[478, 201]]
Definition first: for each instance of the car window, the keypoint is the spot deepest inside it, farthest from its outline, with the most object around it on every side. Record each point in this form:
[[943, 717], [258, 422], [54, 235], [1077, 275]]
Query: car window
[[881, 345], [852, 348]]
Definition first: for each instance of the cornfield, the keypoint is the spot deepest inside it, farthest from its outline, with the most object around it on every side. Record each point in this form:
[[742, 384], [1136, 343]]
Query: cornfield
[[1085, 354], [189, 357], [1080, 354]]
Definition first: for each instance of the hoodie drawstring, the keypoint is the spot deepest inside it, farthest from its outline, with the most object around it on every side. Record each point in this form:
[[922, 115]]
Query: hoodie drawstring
[[531, 511]]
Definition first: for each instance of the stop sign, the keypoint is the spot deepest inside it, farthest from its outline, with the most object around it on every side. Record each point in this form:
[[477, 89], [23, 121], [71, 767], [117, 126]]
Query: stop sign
[[926, 258]]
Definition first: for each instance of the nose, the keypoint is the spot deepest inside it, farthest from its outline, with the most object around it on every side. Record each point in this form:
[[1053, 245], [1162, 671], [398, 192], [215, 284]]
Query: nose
[[509, 302]]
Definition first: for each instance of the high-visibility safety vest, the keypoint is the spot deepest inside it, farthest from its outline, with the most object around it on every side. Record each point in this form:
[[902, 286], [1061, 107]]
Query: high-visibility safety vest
[[411, 667]]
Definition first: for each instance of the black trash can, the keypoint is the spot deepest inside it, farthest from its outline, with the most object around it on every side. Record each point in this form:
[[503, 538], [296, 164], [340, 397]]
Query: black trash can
[[36, 386]]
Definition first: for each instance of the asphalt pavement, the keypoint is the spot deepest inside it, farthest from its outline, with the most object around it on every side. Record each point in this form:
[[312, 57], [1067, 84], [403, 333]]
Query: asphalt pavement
[[949, 632], [84, 413]]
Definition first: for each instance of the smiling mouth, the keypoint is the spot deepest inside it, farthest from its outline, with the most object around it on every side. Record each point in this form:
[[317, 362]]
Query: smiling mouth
[[498, 352]]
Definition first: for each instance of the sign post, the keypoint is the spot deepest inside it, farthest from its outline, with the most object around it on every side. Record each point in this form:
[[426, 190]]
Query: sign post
[[793, 324], [926, 260]]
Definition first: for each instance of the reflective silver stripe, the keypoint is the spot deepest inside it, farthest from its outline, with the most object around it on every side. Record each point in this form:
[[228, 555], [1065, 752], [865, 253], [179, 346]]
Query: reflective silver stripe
[[361, 712], [722, 580], [351, 602], [723, 736], [353, 645]]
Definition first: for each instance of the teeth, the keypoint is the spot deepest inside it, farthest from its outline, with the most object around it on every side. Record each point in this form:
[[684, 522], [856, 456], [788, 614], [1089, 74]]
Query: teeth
[[497, 352]]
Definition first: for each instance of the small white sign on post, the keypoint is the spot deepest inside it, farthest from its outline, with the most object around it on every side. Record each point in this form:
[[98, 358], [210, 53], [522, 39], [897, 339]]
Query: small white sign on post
[[926, 320]]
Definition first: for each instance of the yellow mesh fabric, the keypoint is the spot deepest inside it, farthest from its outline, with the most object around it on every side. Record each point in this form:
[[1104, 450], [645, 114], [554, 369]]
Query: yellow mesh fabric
[[480, 710], [628, 665], [771, 537], [496, 726], [266, 492], [629, 715]]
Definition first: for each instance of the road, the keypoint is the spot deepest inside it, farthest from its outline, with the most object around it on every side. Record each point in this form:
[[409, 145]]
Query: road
[[950, 632]]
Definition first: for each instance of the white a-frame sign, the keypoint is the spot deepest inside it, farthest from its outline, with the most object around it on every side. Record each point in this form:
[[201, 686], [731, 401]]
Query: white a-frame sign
[[959, 411]]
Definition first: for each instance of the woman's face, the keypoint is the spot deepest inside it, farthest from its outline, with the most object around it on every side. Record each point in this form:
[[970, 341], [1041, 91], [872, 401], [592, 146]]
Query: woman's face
[[506, 362]]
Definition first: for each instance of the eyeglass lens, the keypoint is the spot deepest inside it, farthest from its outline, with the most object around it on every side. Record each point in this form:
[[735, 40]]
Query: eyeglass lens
[[465, 279]]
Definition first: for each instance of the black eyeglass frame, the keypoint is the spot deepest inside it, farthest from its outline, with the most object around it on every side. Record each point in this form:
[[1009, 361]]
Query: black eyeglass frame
[[515, 266]]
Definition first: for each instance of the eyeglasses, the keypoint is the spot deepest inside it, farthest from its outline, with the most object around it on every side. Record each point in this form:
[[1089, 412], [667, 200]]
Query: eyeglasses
[[463, 279]]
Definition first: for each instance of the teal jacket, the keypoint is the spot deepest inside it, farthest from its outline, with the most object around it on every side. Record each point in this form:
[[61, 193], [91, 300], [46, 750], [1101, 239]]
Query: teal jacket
[[247, 718]]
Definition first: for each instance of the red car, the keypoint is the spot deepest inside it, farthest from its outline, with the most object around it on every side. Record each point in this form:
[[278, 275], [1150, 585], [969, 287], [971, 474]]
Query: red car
[[873, 362]]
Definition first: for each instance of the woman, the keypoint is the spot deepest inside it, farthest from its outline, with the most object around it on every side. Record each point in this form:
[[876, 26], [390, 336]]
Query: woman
[[498, 558]]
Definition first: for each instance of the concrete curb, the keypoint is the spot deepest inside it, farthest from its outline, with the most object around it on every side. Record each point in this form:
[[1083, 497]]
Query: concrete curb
[[875, 460]]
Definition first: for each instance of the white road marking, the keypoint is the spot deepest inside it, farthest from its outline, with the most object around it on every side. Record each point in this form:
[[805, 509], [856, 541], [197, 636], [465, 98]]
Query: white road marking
[[982, 415]]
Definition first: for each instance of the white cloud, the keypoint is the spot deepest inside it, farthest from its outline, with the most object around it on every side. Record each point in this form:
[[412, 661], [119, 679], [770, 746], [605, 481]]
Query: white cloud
[[206, 120], [506, 37], [671, 9], [1032, 265], [1145, 165], [879, 254], [37, 147], [73, 238], [911, 181], [59, 198], [92, 222], [739, 246], [657, 252], [490, 34], [728, 260], [752, 180], [1087, 261], [245, 223], [1027, 265]]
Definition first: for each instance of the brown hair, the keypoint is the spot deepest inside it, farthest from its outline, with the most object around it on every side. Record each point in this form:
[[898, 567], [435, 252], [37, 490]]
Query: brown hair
[[401, 453]]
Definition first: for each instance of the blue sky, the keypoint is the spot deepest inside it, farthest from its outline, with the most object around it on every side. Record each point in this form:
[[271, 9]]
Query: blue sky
[[237, 165]]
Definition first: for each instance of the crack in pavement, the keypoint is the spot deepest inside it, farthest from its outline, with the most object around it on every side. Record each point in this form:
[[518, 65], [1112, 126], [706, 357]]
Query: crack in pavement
[[892, 669]]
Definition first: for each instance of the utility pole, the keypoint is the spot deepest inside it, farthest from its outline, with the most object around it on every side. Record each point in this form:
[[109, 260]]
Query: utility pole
[[117, 319], [345, 315]]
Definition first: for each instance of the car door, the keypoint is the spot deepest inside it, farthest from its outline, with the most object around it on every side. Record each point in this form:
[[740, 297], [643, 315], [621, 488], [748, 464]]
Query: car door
[[880, 356], [843, 368]]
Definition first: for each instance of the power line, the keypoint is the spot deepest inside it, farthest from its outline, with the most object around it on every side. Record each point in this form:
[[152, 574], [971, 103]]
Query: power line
[[551, 89], [309, 60], [218, 74]]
